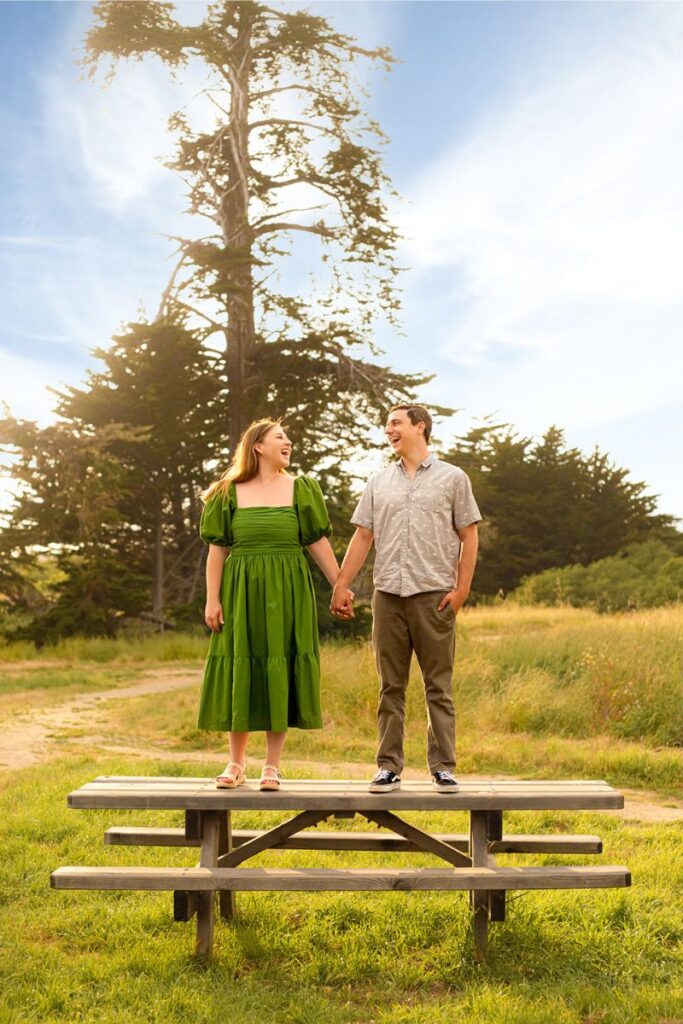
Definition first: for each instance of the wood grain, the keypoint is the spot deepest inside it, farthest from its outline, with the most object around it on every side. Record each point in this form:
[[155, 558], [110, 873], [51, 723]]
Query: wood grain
[[123, 835], [326, 879], [343, 796]]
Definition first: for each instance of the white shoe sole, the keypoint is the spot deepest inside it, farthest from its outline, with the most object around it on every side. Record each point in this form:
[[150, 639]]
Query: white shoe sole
[[230, 785], [388, 787], [444, 789]]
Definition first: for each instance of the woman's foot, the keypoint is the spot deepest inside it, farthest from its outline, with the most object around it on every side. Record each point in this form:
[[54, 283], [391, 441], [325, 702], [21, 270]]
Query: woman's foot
[[232, 777], [270, 778]]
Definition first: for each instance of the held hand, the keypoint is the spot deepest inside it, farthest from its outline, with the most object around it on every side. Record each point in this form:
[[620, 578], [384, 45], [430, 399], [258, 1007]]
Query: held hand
[[341, 604], [347, 611], [213, 616], [455, 598]]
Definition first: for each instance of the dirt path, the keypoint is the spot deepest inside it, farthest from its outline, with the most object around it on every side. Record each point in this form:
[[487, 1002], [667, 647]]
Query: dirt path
[[31, 739]]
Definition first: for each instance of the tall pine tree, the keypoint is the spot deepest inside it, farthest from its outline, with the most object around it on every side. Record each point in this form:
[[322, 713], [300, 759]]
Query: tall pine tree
[[226, 345], [288, 123]]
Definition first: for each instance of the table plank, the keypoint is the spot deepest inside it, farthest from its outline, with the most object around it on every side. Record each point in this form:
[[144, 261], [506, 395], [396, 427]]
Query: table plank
[[343, 795]]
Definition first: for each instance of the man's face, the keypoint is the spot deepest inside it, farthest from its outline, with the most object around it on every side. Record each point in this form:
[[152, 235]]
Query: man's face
[[401, 433]]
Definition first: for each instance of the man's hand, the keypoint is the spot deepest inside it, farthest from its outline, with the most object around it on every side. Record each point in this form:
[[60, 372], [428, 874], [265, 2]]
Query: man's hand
[[213, 616], [455, 598], [341, 604]]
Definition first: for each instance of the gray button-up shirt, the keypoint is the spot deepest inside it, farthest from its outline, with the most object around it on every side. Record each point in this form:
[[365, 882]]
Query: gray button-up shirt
[[415, 524]]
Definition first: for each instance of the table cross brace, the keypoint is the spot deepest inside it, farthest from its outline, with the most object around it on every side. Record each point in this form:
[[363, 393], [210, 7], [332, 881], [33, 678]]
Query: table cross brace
[[428, 843], [271, 838]]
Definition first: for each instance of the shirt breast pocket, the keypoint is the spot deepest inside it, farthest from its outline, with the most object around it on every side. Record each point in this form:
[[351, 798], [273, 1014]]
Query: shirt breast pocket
[[434, 502]]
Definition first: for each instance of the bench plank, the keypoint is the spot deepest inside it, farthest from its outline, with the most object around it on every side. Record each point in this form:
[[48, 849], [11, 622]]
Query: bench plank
[[377, 841], [325, 879]]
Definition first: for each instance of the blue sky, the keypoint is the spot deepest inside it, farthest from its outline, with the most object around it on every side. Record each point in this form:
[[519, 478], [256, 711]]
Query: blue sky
[[538, 149]]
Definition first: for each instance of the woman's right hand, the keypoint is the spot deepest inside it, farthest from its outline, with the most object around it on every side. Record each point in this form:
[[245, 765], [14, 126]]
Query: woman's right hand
[[213, 615]]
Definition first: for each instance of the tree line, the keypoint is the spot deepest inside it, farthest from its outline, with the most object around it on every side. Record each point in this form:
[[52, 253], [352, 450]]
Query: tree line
[[103, 531]]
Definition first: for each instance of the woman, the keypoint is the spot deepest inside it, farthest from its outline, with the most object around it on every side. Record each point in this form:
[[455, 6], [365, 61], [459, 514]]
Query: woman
[[263, 667]]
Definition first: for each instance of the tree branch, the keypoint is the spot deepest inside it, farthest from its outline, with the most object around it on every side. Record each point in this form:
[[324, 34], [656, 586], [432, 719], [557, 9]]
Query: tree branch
[[165, 295], [314, 229], [198, 312], [286, 213], [285, 88], [314, 180], [288, 120]]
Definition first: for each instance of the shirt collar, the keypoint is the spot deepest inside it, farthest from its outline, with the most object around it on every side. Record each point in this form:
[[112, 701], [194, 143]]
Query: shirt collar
[[425, 462]]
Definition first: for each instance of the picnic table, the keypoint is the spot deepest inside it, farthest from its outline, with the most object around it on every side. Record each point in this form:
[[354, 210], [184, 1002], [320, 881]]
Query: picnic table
[[470, 859]]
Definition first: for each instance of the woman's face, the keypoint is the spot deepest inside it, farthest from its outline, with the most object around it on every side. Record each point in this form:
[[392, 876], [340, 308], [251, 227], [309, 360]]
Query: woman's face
[[275, 448]]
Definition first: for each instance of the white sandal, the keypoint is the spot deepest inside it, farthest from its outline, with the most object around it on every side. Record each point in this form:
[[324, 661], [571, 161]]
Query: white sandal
[[269, 783], [231, 778]]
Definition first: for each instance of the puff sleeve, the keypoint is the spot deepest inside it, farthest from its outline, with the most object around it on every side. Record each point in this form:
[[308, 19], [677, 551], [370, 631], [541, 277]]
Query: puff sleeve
[[215, 526], [314, 522]]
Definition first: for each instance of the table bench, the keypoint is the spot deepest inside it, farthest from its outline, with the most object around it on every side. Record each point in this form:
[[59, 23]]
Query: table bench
[[471, 857]]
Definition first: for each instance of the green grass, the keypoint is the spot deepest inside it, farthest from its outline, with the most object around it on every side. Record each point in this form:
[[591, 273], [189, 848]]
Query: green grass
[[183, 647], [548, 671], [76, 679], [611, 956], [540, 693]]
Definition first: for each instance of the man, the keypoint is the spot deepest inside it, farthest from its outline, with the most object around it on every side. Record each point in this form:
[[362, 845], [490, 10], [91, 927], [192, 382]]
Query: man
[[422, 516]]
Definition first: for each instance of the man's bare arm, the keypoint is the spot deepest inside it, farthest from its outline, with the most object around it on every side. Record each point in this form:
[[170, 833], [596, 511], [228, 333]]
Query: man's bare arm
[[469, 546], [355, 556]]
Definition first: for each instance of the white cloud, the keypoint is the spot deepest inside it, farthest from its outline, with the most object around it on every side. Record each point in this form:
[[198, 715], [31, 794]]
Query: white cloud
[[555, 231], [116, 136]]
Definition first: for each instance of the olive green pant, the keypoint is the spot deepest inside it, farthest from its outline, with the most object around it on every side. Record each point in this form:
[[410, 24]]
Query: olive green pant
[[401, 625]]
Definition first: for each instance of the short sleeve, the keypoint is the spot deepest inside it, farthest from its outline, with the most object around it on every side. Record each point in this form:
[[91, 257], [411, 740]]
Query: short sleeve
[[215, 526], [465, 509], [363, 513], [314, 522]]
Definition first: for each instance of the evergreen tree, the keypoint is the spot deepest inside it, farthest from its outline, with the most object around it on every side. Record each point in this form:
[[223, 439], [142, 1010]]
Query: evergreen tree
[[162, 416], [67, 525], [278, 353], [157, 380], [547, 505]]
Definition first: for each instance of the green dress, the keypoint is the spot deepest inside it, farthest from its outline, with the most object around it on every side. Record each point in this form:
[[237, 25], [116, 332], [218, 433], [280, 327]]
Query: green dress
[[263, 668]]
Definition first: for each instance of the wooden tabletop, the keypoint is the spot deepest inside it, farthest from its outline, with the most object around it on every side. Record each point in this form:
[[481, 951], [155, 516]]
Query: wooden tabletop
[[180, 793]]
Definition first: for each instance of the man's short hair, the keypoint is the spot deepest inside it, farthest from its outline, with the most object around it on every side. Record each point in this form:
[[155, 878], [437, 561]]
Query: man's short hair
[[416, 414]]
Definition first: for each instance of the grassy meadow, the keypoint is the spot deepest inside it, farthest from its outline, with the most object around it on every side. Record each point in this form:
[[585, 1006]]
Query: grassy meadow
[[540, 693]]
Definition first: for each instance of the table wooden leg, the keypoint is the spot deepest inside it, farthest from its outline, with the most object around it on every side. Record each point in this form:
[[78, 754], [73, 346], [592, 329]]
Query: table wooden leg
[[206, 901], [494, 833], [480, 902], [226, 899], [185, 903]]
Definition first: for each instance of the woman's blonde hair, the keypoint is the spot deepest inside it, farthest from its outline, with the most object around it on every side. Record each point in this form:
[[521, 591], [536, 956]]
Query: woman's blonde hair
[[244, 464]]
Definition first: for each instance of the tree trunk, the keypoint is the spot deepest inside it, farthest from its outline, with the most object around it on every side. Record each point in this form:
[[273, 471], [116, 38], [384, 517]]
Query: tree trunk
[[198, 565], [238, 237], [158, 585]]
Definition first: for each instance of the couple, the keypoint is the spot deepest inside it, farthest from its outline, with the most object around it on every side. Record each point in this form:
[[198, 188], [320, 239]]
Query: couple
[[263, 668]]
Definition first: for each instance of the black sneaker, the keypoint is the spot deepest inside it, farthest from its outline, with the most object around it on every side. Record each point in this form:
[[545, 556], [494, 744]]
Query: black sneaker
[[444, 782], [384, 781]]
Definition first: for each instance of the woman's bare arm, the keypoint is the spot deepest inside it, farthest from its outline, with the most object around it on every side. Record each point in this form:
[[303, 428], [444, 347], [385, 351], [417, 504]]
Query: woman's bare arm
[[324, 556], [213, 613]]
